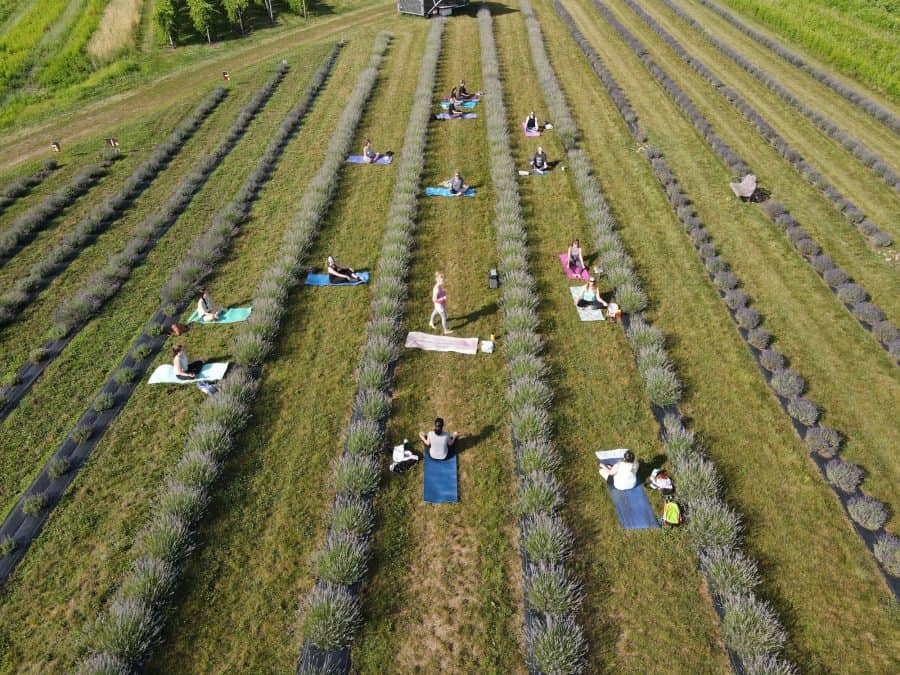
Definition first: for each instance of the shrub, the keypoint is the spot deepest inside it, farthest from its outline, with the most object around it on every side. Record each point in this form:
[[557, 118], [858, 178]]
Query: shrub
[[196, 469], [631, 298], [887, 552], [679, 443], [181, 500], [787, 383], [835, 277], [662, 386], [38, 354], [549, 590], [104, 402], [250, 349], [652, 357], [867, 512], [851, 294], [332, 617], [735, 299], [823, 440], [886, 332], [728, 572], [747, 318], [750, 627], [803, 410], [538, 493], [767, 664], [356, 476], [712, 524], [352, 515], [528, 390], [807, 247], [868, 312], [822, 263], [725, 280], [364, 438], [343, 561], [641, 334], [556, 645], [123, 376], [34, 505], [715, 264], [141, 352], [7, 545], [537, 456], [57, 467], [81, 433], [771, 360], [127, 630], [759, 338], [545, 539], [844, 475], [150, 580], [530, 423], [697, 480]]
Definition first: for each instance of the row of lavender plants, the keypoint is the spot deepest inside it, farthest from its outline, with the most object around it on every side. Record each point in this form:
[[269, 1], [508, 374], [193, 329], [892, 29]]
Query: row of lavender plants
[[848, 209], [123, 636], [74, 312], [787, 384], [750, 628], [333, 612], [26, 225], [21, 186], [26, 289], [853, 145], [206, 250], [554, 640], [853, 296], [871, 107]]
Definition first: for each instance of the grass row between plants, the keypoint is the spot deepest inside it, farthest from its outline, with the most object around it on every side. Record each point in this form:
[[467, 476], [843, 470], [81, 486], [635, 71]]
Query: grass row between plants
[[745, 431], [21, 186]]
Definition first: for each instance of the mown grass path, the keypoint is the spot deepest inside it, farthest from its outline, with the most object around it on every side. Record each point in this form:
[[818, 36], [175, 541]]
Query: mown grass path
[[132, 458], [793, 531], [444, 590], [599, 404]]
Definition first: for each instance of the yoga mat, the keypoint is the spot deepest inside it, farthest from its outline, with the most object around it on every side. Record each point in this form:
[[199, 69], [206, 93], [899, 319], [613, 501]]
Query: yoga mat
[[439, 480], [445, 192], [441, 343], [165, 374], [460, 104], [530, 133], [231, 315], [614, 455], [585, 313], [464, 116], [564, 259], [359, 159], [322, 280], [633, 508]]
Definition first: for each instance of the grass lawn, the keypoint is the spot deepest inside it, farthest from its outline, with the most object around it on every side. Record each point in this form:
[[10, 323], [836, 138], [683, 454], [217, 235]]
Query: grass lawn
[[799, 535], [444, 594]]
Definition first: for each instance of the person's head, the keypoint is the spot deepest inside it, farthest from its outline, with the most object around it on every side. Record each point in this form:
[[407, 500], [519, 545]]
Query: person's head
[[439, 277], [592, 281], [456, 174], [177, 350], [368, 142], [576, 243], [540, 150], [531, 114], [662, 474], [629, 456], [439, 425], [203, 292], [462, 83]]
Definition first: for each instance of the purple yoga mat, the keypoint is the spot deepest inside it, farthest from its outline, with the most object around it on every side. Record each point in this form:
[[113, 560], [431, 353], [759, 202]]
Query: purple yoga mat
[[564, 259], [530, 133]]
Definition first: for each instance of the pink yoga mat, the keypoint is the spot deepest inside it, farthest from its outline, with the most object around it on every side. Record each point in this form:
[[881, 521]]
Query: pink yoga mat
[[442, 343], [564, 259], [530, 133]]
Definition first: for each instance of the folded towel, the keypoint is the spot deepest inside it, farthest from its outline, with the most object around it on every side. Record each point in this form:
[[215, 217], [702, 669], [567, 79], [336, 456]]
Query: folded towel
[[359, 159], [323, 280], [464, 116], [231, 315], [210, 372]]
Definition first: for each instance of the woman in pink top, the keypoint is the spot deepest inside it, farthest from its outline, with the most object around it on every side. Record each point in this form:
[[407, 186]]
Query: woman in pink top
[[439, 300]]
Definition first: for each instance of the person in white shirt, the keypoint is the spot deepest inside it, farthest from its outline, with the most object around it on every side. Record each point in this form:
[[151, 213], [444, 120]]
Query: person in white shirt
[[624, 473], [206, 308], [438, 442], [613, 313]]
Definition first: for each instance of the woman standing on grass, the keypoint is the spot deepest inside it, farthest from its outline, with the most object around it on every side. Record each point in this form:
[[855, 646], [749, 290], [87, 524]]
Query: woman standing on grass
[[439, 300]]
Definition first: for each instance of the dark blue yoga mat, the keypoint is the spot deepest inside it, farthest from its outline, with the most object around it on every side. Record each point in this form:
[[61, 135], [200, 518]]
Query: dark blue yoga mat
[[633, 507], [313, 279], [440, 480]]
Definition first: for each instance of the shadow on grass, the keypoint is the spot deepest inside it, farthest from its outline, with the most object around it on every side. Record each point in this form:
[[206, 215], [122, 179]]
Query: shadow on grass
[[489, 309]]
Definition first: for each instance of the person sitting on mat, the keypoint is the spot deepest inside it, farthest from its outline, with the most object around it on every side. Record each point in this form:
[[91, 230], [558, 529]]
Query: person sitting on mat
[[590, 296], [624, 473], [539, 164], [660, 480], [369, 155], [207, 309], [184, 370], [463, 95], [613, 313], [531, 122], [575, 259], [457, 185], [452, 110], [341, 275], [438, 442]]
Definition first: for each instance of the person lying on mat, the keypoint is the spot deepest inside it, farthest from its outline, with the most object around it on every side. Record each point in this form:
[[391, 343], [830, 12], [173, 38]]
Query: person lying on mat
[[369, 154], [539, 161], [438, 442], [340, 275], [207, 309], [590, 296], [624, 473], [184, 370], [576, 260], [458, 185], [463, 95], [613, 313]]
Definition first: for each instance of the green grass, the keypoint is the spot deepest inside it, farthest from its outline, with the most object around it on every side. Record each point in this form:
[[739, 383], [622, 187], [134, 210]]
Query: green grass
[[18, 44], [856, 37], [800, 534], [72, 63]]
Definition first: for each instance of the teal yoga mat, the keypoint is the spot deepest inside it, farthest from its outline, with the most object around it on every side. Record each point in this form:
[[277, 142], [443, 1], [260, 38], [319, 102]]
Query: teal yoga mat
[[445, 192], [460, 104], [313, 279], [440, 485], [165, 374], [231, 315]]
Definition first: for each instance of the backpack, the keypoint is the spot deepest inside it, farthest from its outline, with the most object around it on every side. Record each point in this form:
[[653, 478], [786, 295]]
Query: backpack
[[207, 388], [671, 514], [177, 329]]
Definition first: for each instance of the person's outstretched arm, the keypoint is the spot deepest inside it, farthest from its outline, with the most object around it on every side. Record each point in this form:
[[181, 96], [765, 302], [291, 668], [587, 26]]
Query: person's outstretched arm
[[452, 438]]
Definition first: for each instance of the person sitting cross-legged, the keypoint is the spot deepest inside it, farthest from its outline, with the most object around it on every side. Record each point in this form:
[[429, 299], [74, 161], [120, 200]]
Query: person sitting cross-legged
[[369, 154], [624, 473], [539, 161], [590, 296], [206, 308], [458, 185], [438, 442]]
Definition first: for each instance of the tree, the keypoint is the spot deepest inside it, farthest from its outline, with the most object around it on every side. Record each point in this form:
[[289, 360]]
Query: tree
[[164, 16], [234, 10], [201, 13], [268, 5], [298, 6]]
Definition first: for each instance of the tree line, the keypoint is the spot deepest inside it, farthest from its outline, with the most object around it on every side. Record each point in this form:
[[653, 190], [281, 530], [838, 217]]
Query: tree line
[[168, 15]]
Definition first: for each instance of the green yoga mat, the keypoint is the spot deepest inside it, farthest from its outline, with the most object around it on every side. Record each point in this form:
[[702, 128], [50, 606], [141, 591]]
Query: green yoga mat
[[231, 315]]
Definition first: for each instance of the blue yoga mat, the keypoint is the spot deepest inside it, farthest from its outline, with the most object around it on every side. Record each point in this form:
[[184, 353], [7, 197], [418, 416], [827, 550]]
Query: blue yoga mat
[[322, 280], [633, 508], [359, 159], [459, 104], [440, 480], [445, 192]]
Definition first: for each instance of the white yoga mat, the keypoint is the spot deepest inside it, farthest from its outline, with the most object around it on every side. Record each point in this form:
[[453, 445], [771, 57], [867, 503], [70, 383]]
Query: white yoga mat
[[585, 313], [441, 343], [165, 374], [616, 455]]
